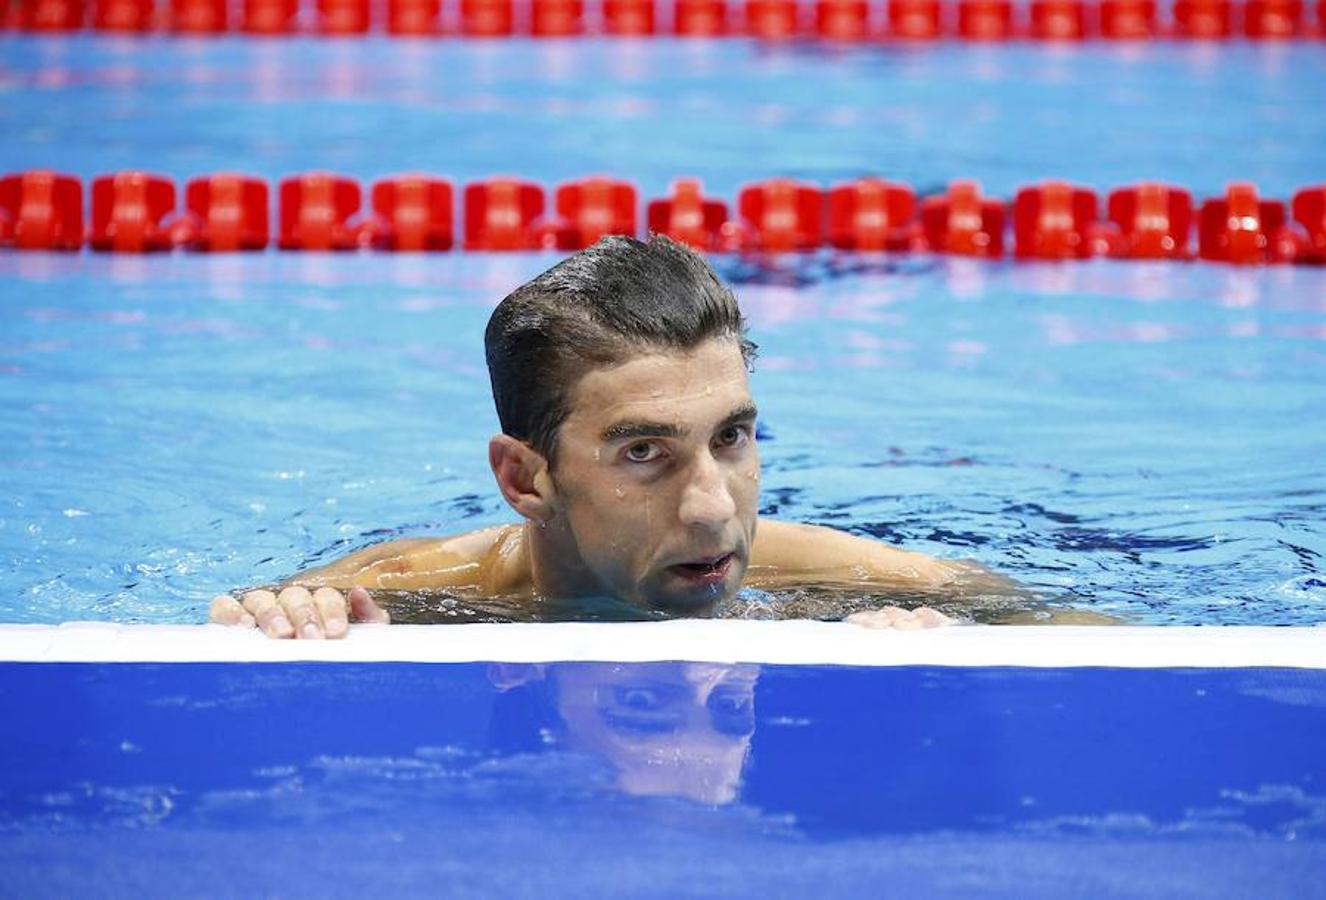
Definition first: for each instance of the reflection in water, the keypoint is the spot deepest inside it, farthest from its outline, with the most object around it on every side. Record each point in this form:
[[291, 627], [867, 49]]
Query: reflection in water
[[664, 729]]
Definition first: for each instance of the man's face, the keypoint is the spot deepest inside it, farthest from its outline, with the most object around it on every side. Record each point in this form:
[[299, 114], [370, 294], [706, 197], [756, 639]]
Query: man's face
[[680, 729], [658, 476]]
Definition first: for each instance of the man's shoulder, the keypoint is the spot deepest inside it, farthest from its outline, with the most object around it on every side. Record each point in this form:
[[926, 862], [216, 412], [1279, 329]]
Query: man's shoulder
[[484, 560], [795, 552]]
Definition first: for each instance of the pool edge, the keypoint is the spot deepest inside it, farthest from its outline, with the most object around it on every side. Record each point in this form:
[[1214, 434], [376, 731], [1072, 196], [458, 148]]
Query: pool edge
[[787, 642]]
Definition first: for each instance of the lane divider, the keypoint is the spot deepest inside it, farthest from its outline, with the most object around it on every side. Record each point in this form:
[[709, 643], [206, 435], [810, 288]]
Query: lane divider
[[835, 20], [137, 212]]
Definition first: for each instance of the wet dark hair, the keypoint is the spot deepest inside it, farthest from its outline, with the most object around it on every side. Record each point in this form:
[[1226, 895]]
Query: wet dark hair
[[598, 308]]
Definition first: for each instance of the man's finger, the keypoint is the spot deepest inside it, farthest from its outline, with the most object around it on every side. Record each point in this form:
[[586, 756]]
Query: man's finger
[[271, 618], [227, 611], [301, 611], [332, 607], [932, 618], [363, 609], [884, 617]]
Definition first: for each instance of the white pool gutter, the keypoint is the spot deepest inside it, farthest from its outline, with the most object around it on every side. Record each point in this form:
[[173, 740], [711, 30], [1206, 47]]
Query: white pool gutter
[[793, 643]]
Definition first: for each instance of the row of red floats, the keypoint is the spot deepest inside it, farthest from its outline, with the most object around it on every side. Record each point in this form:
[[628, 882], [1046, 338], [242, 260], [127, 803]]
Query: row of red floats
[[851, 20], [133, 212]]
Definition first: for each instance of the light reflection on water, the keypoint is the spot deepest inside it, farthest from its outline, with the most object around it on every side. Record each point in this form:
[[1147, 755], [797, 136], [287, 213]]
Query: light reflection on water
[[653, 110], [1139, 446]]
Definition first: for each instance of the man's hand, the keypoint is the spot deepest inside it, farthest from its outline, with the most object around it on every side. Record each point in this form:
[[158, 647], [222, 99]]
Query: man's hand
[[901, 619], [295, 612]]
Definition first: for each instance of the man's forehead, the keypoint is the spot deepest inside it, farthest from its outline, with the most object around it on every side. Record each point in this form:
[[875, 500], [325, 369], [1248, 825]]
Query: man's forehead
[[713, 374]]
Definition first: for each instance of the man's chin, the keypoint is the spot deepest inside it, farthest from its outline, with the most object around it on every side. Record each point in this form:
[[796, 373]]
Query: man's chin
[[682, 592]]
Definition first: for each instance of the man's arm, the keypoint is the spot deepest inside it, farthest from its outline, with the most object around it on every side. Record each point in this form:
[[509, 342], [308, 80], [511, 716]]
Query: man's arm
[[311, 604], [788, 554], [791, 553]]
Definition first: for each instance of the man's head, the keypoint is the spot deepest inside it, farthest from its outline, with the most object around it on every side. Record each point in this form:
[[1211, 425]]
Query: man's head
[[620, 377], [599, 308]]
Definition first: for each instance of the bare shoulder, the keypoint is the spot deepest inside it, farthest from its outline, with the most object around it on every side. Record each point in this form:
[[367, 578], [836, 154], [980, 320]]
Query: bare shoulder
[[786, 552], [486, 560]]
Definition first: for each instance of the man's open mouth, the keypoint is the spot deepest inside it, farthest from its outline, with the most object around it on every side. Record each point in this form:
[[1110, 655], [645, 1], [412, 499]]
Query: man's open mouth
[[706, 570]]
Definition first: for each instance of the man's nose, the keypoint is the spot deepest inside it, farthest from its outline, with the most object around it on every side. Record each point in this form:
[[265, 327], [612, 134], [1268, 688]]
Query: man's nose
[[706, 500]]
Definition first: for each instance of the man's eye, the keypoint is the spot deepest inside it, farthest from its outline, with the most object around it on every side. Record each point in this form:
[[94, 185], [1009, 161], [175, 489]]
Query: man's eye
[[643, 452], [733, 436]]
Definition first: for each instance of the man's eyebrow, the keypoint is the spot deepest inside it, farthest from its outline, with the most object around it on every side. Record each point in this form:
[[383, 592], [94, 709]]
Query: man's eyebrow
[[620, 431], [740, 414]]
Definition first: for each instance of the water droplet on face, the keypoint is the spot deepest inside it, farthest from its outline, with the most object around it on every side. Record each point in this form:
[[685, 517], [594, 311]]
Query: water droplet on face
[[620, 493]]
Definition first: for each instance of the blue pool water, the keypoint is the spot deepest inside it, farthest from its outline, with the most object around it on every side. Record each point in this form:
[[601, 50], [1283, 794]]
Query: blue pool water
[[1143, 440], [1140, 439], [659, 780]]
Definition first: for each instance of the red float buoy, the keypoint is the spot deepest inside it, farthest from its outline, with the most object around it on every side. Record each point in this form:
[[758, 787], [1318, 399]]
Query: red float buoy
[[1153, 221], [316, 210], [963, 223], [781, 215], [873, 214], [500, 214], [129, 212], [688, 216], [41, 210]]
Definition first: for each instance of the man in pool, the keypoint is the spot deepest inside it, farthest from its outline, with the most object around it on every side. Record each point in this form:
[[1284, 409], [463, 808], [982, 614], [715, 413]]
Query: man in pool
[[628, 449]]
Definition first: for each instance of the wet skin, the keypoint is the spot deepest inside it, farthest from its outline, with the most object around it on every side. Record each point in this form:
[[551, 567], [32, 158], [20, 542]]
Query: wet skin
[[652, 502]]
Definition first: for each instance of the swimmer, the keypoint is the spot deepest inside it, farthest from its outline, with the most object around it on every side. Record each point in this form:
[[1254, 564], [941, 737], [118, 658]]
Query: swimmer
[[628, 450]]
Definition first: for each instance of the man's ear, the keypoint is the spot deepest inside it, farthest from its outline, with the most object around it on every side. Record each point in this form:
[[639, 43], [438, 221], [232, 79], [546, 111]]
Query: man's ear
[[522, 477]]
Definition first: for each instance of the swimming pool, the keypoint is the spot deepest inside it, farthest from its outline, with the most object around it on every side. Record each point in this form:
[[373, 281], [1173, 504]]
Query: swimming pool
[[1135, 438]]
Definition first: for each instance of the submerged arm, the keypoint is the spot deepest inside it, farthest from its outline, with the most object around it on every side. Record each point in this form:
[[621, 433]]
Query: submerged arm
[[788, 554]]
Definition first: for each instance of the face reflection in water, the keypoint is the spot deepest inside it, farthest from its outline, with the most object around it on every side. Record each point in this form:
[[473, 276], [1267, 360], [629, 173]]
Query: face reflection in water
[[666, 729]]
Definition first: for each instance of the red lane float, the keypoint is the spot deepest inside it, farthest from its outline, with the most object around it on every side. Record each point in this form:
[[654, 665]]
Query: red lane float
[[915, 20], [1153, 221], [338, 18], [628, 18], [487, 18], [500, 214], [1309, 209], [269, 16], [842, 20], [985, 20], [700, 18], [122, 15], [1273, 19], [688, 216], [1128, 20], [873, 214], [1058, 20], [129, 212], [412, 213], [315, 212], [1203, 19], [589, 209], [557, 18], [772, 20], [963, 223], [41, 210], [1055, 220], [781, 215], [224, 213], [1241, 228], [198, 16], [50, 15], [414, 17]]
